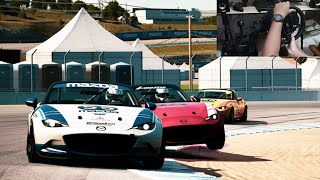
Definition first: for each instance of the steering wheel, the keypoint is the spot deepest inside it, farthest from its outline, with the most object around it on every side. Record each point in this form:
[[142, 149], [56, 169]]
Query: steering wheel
[[293, 24]]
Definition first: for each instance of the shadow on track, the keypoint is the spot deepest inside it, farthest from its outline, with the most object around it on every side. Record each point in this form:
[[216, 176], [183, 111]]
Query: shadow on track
[[201, 152], [96, 163]]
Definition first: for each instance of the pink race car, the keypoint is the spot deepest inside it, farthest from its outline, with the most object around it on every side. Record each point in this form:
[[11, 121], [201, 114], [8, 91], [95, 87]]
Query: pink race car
[[184, 122]]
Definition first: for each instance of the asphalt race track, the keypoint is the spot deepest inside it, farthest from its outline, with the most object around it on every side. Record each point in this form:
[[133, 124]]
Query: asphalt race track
[[262, 117]]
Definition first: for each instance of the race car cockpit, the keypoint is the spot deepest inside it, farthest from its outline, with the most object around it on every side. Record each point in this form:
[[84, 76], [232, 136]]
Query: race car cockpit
[[244, 24]]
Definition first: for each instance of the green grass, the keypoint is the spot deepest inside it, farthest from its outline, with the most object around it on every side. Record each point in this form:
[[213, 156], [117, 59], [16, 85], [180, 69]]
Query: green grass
[[185, 87]]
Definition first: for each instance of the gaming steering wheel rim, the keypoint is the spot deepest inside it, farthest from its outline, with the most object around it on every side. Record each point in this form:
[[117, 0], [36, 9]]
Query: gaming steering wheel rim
[[300, 28]]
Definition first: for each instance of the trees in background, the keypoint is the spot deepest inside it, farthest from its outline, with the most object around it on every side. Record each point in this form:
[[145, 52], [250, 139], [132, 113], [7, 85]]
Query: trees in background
[[91, 7], [64, 4], [113, 10], [53, 4], [36, 4], [78, 5], [211, 20]]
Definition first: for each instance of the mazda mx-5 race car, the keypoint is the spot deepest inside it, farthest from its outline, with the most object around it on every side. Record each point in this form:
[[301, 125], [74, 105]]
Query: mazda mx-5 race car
[[184, 122], [227, 102], [94, 120]]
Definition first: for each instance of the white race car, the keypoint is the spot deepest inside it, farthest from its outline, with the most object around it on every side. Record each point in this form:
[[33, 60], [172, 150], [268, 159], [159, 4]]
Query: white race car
[[94, 119]]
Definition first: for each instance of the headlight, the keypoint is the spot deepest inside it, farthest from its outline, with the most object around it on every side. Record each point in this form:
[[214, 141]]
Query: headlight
[[146, 127], [222, 107], [53, 123], [212, 117], [145, 122], [212, 113]]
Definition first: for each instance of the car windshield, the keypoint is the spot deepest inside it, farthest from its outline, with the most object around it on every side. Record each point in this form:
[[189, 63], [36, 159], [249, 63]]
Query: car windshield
[[215, 95], [160, 94], [91, 93]]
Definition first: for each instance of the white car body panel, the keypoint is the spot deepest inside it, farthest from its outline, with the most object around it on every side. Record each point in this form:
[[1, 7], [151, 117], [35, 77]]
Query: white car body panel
[[93, 120]]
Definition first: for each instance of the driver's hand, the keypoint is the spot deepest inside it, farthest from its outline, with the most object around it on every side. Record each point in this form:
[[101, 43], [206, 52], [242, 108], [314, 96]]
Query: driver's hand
[[282, 8], [294, 49]]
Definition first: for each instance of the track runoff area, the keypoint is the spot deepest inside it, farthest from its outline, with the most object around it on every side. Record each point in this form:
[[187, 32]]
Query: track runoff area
[[263, 117]]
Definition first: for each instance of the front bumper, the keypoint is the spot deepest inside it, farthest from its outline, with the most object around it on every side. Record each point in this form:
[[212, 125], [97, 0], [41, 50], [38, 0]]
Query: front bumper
[[178, 134], [67, 142]]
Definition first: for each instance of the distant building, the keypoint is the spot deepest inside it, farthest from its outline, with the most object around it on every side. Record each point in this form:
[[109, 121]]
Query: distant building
[[166, 16]]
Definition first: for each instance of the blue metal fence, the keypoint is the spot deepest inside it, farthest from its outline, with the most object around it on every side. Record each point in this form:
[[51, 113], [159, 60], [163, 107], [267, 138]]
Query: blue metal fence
[[146, 35]]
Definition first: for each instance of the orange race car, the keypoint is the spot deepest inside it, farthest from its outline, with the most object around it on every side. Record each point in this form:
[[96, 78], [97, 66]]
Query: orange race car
[[226, 101]]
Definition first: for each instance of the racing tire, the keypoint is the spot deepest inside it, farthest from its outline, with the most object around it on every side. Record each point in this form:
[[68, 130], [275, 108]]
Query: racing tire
[[33, 156], [231, 117], [245, 115], [155, 163], [215, 146], [216, 142]]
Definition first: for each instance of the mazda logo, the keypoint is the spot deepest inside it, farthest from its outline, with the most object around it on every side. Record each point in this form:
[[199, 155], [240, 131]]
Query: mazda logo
[[184, 121], [101, 128]]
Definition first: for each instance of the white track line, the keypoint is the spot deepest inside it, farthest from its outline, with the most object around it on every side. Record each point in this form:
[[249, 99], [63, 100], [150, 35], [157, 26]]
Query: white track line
[[172, 170]]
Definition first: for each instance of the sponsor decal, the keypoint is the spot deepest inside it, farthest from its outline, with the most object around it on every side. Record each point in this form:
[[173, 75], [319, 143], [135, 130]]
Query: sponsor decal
[[208, 100], [101, 128], [98, 109], [101, 123], [164, 105], [49, 112], [99, 114], [94, 85], [150, 87], [100, 119]]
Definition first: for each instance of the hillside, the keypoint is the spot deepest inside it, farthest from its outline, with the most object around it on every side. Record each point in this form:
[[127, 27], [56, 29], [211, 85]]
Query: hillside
[[46, 23], [50, 22]]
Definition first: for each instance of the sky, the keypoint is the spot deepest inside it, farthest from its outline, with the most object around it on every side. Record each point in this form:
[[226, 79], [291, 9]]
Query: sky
[[182, 4]]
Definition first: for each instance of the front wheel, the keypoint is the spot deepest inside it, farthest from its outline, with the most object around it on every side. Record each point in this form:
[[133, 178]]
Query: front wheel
[[245, 115], [156, 163], [33, 157], [215, 146], [216, 142], [231, 116]]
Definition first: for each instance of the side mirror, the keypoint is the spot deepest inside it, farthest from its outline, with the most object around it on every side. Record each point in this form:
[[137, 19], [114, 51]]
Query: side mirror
[[32, 102], [239, 99], [150, 105]]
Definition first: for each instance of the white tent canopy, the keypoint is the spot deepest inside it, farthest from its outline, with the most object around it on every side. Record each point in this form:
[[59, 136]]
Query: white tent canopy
[[210, 75], [150, 60], [81, 34], [184, 67], [152, 67], [311, 73]]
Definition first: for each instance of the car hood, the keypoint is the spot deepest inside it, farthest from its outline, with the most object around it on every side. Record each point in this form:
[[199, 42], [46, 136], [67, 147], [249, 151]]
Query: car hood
[[215, 102], [170, 111], [117, 118]]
